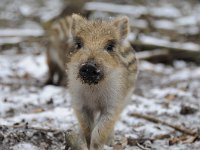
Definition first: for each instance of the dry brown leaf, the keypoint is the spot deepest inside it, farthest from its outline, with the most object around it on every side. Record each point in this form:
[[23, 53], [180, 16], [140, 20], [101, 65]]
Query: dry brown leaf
[[118, 146], [190, 139], [183, 139], [170, 97], [187, 110], [38, 110]]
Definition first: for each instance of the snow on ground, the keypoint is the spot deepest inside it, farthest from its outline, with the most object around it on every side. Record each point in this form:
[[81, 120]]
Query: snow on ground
[[161, 91]]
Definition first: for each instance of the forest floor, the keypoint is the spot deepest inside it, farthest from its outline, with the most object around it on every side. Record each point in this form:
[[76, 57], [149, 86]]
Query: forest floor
[[166, 98]]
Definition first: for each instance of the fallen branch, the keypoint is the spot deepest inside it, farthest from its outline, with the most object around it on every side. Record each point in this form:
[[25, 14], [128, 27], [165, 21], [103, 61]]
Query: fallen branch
[[13, 37], [135, 11], [142, 147], [155, 120], [174, 53], [176, 50], [115, 8], [16, 41], [10, 41], [153, 42], [144, 18], [152, 54], [21, 33], [184, 139]]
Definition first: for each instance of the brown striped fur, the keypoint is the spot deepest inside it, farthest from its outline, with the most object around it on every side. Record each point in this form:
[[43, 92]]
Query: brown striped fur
[[98, 106], [58, 50]]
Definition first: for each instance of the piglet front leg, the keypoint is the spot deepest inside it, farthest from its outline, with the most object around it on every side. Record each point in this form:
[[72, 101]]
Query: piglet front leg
[[103, 129]]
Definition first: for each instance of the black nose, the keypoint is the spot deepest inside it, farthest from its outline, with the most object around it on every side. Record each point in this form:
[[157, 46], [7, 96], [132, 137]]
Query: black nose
[[90, 73]]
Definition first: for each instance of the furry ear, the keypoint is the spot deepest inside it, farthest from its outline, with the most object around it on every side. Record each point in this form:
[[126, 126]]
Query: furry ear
[[122, 24], [77, 18], [76, 21]]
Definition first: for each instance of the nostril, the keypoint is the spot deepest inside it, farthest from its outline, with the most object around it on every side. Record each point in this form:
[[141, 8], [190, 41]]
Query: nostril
[[83, 70], [96, 72], [88, 69], [90, 73]]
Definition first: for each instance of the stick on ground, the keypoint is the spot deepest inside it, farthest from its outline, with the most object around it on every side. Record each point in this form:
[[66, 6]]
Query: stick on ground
[[155, 120]]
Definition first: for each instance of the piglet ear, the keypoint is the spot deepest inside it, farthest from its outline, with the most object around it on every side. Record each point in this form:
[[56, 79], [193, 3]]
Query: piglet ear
[[76, 21], [122, 24], [77, 18]]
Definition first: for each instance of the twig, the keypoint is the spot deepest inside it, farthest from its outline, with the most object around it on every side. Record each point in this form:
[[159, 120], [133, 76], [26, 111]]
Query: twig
[[142, 147], [26, 127], [21, 33], [148, 42], [135, 11], [155, 120], [176, 50]]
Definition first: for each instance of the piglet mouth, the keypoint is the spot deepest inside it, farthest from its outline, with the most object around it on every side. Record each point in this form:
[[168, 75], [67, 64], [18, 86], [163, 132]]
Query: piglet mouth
[[90, 73]]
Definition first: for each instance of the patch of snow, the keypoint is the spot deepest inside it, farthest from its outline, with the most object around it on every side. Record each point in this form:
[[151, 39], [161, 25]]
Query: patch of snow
[[138, 23], [115, 8], [158, 68], [35, 67], [180, 64], [166, 43], [153, 40], [136, 11], [20, 66], [162, 93], [189, 30], [188, 20], [164, 24], [10, 40], [185, 74], [151, 106], [25, 146], [5, 67], [166, 11], [21, 32], [50, 10], [62, 118], [59, 96], [188, 46], [147, 106], [25, 10], [131, 36]]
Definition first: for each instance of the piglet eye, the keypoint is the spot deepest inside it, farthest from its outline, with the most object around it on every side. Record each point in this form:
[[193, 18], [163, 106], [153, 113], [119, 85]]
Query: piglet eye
[[110, 46], [78, 44]]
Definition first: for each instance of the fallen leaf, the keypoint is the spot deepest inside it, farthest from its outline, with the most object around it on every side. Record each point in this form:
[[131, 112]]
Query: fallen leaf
[[183, 139], [38, 110], [187, 110]]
